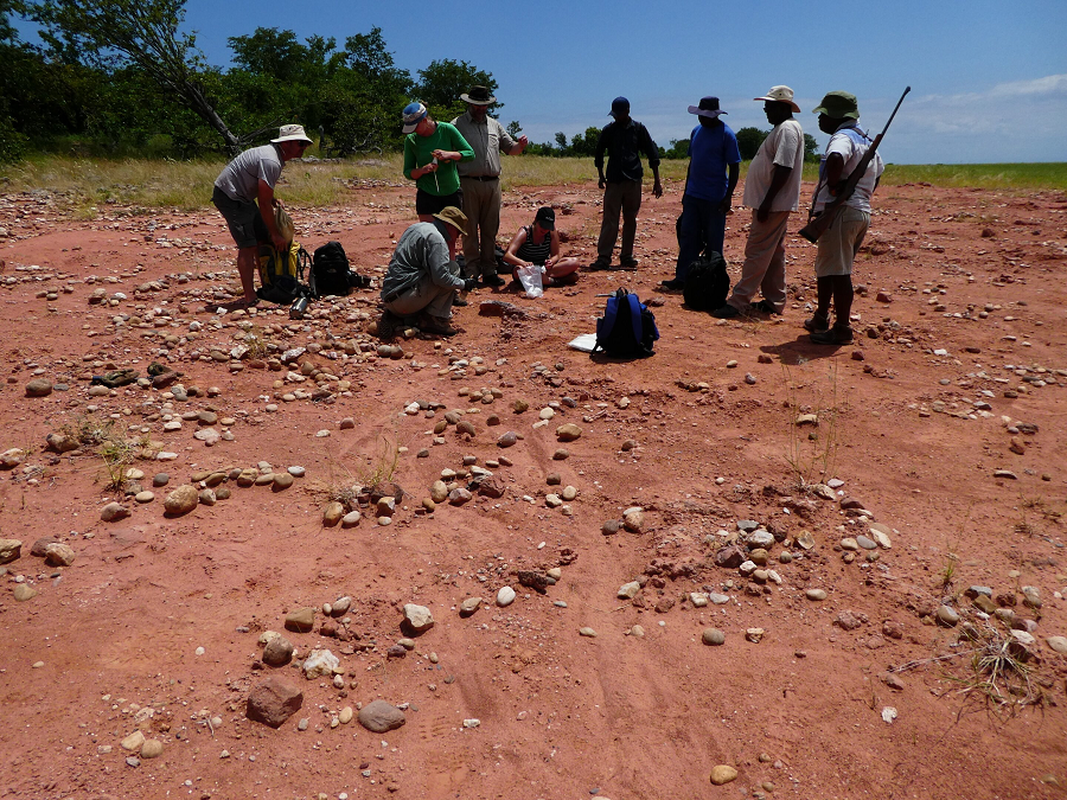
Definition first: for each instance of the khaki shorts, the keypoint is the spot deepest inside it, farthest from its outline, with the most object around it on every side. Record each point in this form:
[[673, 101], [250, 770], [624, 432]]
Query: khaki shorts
[[842, 240]]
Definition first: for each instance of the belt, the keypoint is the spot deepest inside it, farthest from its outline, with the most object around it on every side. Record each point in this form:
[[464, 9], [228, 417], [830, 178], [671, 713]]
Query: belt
[[481, 177]]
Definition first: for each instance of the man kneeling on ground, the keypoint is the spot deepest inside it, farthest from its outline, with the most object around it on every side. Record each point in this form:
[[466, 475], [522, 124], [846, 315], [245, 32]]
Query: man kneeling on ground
[[423, 275]]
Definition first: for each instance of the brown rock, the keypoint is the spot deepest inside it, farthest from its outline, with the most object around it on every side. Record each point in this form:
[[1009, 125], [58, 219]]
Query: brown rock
[[278, 652], [568, 432], [492, 486], [332, 514], [59, 555], [182, 500], [61, 443], [39, 387], [24, 592], [273, 702], [302, 620], [10, 549], [380, 716]]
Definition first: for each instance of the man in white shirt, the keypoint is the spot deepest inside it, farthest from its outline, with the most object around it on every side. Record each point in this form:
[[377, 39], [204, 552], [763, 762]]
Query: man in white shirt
[[772, 191], [838, 114]]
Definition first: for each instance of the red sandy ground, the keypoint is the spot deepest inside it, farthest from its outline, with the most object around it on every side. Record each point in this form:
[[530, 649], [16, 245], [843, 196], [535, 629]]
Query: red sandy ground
[[561, 715]]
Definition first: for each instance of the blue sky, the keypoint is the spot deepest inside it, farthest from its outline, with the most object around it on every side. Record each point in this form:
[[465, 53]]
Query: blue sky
[[988, 77]]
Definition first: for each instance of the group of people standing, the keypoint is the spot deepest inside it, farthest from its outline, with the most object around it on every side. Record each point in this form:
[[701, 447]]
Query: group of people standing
[[772, 192], [456, 167]]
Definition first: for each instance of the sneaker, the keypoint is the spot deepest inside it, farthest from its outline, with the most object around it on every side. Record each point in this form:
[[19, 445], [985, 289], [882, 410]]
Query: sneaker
[[673, 285], [599, 265], [726, 312], [817, 323], [491, 279], [837, 335], [766, 307]]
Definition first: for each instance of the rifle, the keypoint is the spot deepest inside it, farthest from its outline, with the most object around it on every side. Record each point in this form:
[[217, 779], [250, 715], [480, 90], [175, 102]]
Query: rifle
[[817, 227]]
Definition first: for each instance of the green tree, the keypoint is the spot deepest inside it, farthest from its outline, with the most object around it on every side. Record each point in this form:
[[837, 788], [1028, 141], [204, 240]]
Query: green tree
[[749, 141], [442, 82], [584, 144], [514, 129], [143, 33], [811, 149], [679, 149]]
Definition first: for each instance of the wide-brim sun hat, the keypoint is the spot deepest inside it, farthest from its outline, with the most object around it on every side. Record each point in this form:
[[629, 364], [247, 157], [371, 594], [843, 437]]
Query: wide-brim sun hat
[[708, 107], [414, 113], [451, 215], [839, 105], [291, 133], [478, 96], [780, 94]]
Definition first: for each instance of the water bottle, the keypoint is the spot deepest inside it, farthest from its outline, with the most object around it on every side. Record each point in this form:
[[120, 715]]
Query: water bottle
[[299, 307]]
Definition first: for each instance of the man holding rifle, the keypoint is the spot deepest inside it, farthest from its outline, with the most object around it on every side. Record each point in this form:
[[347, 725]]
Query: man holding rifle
[[838, 115]]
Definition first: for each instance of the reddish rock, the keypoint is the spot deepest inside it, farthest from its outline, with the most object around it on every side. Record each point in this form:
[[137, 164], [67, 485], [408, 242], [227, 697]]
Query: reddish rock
[[273, 702]]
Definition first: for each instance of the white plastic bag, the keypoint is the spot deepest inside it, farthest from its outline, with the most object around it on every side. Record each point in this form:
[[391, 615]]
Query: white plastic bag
[[530, 278]]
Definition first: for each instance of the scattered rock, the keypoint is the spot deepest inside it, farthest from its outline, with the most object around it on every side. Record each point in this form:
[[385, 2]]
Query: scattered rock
[[59, 555], [320, 664], [469, 606], [379, 716], [302, 620], [152, 748], [10, 549], [182, 500], [568, 432], [417, 619], [713, 637], [23, 592], [723, 774], [273, 702], [278, 652], [505, 597], [39, 387]]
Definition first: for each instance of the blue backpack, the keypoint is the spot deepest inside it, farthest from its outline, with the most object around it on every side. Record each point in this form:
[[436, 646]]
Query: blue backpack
[[627, 329]]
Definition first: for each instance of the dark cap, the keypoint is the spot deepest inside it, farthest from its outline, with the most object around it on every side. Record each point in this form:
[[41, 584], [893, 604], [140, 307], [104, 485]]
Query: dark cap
[[620, 105], [546, 218]]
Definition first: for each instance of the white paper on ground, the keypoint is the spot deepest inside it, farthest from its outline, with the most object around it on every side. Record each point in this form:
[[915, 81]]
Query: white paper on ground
[[586, 342]]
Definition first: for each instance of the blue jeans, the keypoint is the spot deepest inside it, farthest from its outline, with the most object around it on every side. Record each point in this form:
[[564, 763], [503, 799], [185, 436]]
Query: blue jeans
[[702, 225]]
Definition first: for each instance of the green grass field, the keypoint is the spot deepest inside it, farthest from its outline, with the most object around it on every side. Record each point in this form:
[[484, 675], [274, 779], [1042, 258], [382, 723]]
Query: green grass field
[[85, 184]]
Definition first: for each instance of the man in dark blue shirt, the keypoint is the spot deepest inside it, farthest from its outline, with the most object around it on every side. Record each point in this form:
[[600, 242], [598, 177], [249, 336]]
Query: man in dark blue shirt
[[709, 189], [624, 139]]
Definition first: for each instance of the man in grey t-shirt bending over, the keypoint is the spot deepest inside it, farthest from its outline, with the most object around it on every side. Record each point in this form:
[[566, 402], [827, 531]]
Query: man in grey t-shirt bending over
[[247, 179]]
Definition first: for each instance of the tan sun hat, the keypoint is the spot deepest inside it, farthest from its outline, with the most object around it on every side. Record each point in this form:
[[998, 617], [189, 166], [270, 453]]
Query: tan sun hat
[[454, 217], [291, 133], [780, 94]]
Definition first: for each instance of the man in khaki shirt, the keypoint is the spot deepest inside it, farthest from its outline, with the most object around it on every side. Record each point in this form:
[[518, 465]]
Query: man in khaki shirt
[[480, 181]]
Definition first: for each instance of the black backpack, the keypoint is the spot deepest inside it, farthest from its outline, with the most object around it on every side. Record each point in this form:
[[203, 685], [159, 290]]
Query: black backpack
[[331, 274], [706, 283], [627, 329]]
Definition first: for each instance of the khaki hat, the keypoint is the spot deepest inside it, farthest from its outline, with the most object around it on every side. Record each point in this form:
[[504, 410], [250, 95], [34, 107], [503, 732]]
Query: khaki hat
[[839, 105], [780, 94], [291, 133], [454, 217]]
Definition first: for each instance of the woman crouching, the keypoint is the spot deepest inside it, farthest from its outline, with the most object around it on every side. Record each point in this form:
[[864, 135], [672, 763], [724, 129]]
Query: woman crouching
[[538, 244]]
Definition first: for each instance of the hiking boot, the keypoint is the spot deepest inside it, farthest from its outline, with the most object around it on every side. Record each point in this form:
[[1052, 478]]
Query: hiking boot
[[726, 312], [599, 265], [766, 307], [438, 326], [388, 324], [491, 279], [673, 285], [837, 335], [818, 323], [628, 263], [459, 299]]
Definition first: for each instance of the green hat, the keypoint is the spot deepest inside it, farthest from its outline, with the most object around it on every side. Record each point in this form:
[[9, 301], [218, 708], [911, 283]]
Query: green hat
[[839, 105]]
